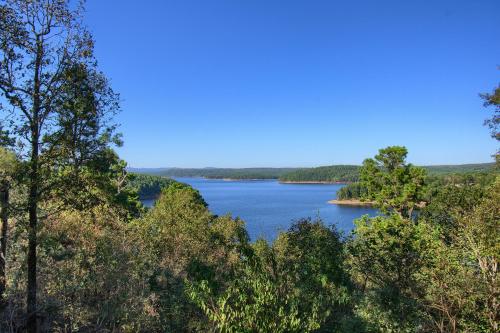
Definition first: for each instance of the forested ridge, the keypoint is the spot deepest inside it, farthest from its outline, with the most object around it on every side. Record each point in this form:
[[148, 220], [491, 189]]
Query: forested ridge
[[332, 173], [217, 173], [79, 252], [350, 173]]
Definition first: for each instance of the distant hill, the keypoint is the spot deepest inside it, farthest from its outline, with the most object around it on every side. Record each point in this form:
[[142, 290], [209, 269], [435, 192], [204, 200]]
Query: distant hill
[[217, 173], [461, 168], [350, 173], [332, 173]]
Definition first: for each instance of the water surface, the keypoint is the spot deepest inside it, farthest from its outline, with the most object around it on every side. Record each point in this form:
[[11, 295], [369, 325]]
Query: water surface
[[268, 207]]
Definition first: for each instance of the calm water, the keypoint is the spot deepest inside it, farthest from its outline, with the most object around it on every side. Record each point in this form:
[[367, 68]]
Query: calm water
[[268, 206]]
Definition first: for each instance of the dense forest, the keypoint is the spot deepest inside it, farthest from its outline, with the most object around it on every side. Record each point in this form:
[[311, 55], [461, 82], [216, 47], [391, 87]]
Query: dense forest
[[79, 253]]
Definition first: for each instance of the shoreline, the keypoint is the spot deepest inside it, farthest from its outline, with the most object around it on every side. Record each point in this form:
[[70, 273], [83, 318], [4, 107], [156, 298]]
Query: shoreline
[[352, 202], [312, 182], [241, 179], [269, 179]]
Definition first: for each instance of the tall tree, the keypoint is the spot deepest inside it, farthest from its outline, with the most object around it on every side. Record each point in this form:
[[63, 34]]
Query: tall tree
[[394, 185], [41, 42]]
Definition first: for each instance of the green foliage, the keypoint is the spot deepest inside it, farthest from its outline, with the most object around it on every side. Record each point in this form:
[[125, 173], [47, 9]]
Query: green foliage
[[218, 173], [493, 100], [387, 256], [462, 283], [482, 179], [394, 185], [253, 302], [315, 256], [351, 173], [85, 266], [297, 285], [352, 191], [147, 186], [468, 169], [5, 139], [334, 173], [481, 238], [446, 204], [183, 242], [8, 163]]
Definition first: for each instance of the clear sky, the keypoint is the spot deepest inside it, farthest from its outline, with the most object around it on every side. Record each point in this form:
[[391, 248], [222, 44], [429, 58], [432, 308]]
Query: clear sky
[[246, 83]]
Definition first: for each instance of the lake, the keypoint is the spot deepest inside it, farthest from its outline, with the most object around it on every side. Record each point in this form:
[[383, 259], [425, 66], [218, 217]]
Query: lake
[[268, 206]]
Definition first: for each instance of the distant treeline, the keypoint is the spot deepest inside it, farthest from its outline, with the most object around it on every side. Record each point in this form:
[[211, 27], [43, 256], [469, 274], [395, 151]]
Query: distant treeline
[[350, 173], [219, 173], [333, 173], [461, 168]]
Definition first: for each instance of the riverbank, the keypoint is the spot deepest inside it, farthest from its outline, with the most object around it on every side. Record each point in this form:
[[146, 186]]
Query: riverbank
[[242, 179], [352, 202], [312, 182]]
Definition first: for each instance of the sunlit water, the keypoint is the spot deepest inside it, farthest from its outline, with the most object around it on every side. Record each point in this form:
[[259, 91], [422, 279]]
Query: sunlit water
[[268, 207]]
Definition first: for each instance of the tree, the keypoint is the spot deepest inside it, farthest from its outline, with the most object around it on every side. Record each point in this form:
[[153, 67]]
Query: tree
[[352, 191], [481, 238], [41, 42], [312, 256], [257, 299], [5, 139], [448, 203], [184, 243], [493, 100], [394, 185], [387, 255], [297, 285]]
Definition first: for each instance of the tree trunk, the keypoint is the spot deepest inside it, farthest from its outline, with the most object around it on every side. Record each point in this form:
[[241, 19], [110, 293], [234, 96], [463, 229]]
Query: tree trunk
[[34, 184], [32, 238], [4, 216]]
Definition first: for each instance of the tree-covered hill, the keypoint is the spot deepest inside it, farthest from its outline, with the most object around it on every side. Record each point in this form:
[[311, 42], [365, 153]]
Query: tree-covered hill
[[334, 173], [461, 168], [350, 173], [217, 173]]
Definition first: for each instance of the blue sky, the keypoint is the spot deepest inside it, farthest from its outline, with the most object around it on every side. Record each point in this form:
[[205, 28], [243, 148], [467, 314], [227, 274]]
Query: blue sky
[[247, 83]]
